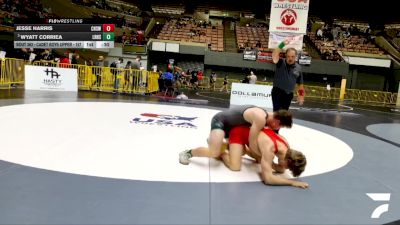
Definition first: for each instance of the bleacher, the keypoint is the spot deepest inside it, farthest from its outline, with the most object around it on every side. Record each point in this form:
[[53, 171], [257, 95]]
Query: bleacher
[[392, 32], [168, 9], [190, 30], [346, 24], [252, 35], [129, 7], [351, 44], [7, 29], [352, 36]]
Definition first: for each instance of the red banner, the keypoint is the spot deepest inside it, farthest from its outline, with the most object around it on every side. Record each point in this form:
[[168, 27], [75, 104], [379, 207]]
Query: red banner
[[266, 56]]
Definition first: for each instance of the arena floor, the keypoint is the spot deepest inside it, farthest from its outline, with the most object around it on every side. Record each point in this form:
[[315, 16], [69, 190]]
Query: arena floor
[[98, 158]]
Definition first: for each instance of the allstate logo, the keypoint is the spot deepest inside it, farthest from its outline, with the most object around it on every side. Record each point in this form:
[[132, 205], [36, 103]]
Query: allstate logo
[[288, 17], [165, 120]]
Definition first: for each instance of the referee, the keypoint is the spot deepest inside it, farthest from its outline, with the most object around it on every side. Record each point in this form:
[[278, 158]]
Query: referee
[[287, 75]]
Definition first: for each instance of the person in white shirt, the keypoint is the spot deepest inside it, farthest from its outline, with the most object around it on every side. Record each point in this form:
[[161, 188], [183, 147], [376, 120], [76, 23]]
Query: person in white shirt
[[319, 34], [252, 78]]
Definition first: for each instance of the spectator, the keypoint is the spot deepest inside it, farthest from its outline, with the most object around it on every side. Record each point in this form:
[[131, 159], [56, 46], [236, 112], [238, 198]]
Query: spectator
[[23, 54], [194, 82], [169, 81], [213, 80], [75, 59], [64, 61], [137, 64], [258, 44], [100, 61], [232, 25], [347, 33], [116, 68], [90, 62], [200, 76], [182, 96], [225, 84], [47, 56], [246, 79], [168, 75], [252, 78], [128, 75], [367, 31], [320, 34], [335, 32], [247, 44], [140, 37]]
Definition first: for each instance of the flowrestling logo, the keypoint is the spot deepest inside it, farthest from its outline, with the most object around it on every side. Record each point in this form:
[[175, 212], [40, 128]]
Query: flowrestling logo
[[379, 197], [165, 120]]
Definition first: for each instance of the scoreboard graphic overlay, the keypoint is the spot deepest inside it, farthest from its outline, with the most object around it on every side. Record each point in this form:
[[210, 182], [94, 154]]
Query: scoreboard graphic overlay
[[64, 33]]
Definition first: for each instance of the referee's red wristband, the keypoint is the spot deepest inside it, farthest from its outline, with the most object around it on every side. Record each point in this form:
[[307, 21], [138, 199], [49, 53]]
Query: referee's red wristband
[[301, 92]]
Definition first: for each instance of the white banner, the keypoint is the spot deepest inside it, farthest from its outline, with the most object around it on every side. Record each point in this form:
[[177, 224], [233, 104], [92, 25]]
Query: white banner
[[2, 54], [398, 98], [352, 60], [250, 55], [50, 78], [251, 94], [289, 16], [295, 40]]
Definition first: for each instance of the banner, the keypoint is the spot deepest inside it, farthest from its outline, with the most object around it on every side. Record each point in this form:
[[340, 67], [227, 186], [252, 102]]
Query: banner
[[250, 54], [304, 60], [251, 94], [264, 56], [289, 16], [362, 61], [50, 78], [2, 54], [267, 57], [296, 40]]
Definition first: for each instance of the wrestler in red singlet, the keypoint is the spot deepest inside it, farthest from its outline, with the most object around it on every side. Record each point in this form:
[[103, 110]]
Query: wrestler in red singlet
[[240, 135]]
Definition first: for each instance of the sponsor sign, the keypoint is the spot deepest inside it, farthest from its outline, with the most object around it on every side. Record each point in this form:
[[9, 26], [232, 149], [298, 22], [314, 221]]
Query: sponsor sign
[[295, 40], [289, 16], [304, 60], [50, 78], [266, 56], [251, 94], [250, 55]]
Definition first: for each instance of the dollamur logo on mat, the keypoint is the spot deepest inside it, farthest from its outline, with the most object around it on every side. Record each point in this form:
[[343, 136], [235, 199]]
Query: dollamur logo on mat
[[165, 120]]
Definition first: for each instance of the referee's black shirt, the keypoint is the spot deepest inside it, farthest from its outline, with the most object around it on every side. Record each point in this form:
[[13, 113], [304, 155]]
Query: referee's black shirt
[[286, 76]]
